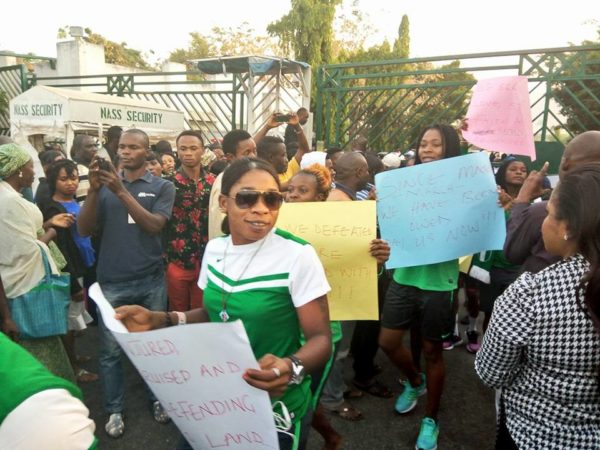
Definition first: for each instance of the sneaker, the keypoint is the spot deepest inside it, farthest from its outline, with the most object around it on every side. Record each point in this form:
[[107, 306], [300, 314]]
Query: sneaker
[[159, 413], [428, 435], [452, 341], [473, 346], [115, 427], [408, 399]]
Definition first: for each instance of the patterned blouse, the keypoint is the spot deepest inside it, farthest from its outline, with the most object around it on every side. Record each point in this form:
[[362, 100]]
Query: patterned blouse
[[187, 231], [543, 351]]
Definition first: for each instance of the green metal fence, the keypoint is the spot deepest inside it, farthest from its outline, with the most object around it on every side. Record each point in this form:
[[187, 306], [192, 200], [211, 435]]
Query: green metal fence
[[390, 101], [13, 81], [214, 106]]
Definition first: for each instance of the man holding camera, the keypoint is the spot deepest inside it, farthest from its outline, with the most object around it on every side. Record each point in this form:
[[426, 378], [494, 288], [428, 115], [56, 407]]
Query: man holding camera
[[129, 209], [293, 122]]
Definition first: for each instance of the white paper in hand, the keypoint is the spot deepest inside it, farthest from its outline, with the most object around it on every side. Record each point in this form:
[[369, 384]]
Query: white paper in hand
[[196, 371], [106, 309]]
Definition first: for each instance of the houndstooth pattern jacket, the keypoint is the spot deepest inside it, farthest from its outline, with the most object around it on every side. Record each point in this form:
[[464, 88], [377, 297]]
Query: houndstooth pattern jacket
[[542, 349]]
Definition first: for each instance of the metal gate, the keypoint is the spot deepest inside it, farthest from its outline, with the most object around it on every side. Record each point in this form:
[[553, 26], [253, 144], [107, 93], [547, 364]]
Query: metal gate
[[212, 103], [13, 81], [390, 101], [214, 106]]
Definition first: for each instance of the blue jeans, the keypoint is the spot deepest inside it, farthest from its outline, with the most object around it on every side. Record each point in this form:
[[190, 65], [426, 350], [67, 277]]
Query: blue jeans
[[332, 396], [149, 292]]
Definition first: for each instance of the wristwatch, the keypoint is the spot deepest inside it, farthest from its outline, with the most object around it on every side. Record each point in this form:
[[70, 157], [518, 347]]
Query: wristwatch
[[298, 371]]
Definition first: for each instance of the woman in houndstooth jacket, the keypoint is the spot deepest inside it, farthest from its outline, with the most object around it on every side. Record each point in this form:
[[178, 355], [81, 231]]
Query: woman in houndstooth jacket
[[543, 344]]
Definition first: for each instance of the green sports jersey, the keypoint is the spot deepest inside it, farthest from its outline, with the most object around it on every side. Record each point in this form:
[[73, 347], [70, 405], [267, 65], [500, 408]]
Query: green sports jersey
[[262, 284], [431, 277], [22, 376]]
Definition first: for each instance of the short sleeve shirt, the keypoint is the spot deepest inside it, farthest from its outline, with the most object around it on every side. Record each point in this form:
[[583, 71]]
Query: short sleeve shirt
[[293, 169], [431, 277], [127, 252], [262, 284], [187, 231]]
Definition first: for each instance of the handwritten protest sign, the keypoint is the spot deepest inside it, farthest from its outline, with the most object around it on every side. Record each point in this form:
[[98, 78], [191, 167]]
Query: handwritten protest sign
[[499, 116], [341, 233], [439, 211], [196, 373]]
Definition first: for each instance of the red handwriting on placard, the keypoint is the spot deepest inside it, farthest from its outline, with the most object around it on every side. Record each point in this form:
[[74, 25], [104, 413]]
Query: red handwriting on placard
[[234, 438], [168, 377], [161, 347], [216, 370], [210, 408]]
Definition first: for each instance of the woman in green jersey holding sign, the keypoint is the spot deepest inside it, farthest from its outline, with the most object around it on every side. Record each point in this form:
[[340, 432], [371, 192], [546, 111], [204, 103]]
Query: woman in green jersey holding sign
[[420, 298], [272, 281]]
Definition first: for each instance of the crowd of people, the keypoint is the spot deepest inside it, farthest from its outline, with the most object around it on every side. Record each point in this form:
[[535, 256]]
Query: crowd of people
[[190, 235]]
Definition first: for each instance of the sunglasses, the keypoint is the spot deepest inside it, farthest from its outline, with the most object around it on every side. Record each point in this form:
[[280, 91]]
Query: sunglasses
[[247, 199]]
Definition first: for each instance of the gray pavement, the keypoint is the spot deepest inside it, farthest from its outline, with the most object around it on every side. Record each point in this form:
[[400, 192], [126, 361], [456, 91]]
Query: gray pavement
[[467, 419]]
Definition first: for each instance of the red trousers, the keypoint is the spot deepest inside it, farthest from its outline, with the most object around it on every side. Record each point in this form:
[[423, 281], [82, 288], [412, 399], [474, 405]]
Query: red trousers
[[182, 288]]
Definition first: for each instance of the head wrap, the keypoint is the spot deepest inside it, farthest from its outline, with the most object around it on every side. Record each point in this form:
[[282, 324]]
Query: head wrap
[[12, 158]]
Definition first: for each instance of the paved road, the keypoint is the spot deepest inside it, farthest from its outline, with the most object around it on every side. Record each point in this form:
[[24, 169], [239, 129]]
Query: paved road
[[466, 417]]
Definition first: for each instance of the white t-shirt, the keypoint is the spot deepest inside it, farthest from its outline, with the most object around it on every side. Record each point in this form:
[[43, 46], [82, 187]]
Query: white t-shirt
[[283, 260]]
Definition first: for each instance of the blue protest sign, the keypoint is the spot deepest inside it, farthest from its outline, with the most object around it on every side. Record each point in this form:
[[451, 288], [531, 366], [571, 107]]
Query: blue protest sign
[[439, 211]]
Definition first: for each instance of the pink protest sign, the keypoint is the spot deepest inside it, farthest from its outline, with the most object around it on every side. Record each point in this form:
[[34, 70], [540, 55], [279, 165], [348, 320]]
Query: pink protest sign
[[499, 117]]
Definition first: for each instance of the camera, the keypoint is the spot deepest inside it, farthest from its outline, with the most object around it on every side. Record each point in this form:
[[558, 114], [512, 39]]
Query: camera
[[283, 118], [103, 164]]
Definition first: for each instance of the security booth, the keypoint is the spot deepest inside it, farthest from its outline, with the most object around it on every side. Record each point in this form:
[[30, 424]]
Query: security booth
[[269, 84], [62, 113]]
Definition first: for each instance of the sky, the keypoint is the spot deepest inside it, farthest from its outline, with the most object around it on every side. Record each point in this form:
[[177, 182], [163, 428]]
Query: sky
[[438, 27]]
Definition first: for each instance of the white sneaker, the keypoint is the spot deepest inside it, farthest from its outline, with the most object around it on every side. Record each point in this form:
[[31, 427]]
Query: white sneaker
[[115, 427], [159, 413]]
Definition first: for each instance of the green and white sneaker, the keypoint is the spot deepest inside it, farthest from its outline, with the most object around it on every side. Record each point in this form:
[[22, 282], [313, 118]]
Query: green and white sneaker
[[428, 435], [408, 399]]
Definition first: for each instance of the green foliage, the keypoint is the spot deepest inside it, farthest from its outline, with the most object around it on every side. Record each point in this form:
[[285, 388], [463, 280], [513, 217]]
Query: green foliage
[[238, 41], [579, 99], [397, 100], [114, 52], [402, 43], [352, 28], [199, 48], [307, 31]]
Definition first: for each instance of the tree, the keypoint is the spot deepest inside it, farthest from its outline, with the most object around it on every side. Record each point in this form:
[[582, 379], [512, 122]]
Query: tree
[[199, 48], [352, 28], [114, 53], [402, 43], [306, 32], [398, 99], [578, 99], [238, 41]]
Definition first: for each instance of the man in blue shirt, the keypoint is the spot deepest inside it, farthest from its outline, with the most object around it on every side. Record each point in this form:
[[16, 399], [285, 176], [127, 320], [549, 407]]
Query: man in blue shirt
[[129, 210]]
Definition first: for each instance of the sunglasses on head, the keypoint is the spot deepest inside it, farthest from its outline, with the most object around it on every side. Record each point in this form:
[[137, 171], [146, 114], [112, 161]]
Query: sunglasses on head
[[247, 199]]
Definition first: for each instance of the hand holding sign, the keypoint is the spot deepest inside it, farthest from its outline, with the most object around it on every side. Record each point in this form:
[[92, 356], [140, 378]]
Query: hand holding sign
[[439, 211], [341, 233], [202, 387]]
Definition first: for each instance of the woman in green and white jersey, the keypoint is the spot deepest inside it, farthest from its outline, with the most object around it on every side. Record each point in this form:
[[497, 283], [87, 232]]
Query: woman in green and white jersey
[[272, 281]]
